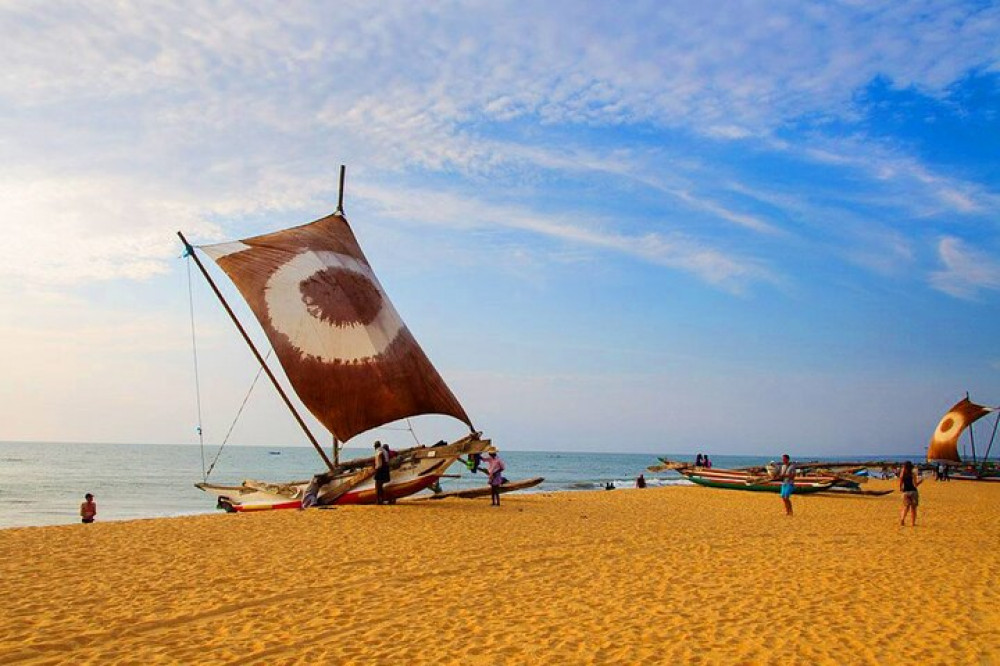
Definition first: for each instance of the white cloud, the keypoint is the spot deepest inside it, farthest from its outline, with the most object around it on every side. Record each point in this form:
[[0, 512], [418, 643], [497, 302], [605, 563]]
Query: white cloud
[[729, 271], [181, 114], [966, 271]]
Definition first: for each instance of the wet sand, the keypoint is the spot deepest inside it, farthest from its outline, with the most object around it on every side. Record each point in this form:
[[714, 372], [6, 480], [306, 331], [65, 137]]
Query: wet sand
[[680, 574]]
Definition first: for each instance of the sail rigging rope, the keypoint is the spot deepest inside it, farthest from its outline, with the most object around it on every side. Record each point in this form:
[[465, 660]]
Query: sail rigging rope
[[197, 384], [408, 428], [239, 412], [205, 472]]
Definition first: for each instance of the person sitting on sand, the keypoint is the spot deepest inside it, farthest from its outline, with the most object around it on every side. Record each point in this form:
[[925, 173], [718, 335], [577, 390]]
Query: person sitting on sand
[[88, 509], [640, 482], [908, 482], [787, 474], [495, 468]]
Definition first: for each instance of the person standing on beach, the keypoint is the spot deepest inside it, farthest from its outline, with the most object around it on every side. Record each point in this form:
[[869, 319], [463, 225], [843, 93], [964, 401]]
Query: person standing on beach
[[908, 482], [381, 472], [787, 475], [495, 468], [88, 509]]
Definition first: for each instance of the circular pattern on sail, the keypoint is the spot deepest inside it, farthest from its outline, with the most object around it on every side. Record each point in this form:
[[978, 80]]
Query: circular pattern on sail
[[949, 427], [325, 322]]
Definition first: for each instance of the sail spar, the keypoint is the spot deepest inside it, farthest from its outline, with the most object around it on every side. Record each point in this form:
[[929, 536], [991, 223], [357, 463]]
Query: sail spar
[[944, 442], [350, 358]]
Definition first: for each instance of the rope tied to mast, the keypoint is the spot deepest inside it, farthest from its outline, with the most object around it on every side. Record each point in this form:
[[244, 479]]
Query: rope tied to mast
[[194, 351], [239, 412], [207, 471]]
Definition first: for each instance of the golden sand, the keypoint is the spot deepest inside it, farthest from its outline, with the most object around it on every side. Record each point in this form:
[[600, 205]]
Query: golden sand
[[667, 575]]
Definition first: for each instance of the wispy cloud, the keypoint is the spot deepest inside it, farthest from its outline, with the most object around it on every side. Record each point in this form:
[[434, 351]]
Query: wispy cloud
[[731, 271], [966, 271], [194, 112]]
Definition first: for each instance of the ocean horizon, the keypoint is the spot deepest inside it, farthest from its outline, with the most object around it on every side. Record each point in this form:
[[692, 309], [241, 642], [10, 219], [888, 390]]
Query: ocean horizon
[[43, 483]]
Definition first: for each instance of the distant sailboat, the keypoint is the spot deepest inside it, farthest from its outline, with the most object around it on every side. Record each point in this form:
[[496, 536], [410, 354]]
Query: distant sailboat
[[347, 354], [943, 447]]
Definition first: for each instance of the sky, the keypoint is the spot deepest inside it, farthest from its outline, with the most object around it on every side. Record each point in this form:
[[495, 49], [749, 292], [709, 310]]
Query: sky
[[740, 227]]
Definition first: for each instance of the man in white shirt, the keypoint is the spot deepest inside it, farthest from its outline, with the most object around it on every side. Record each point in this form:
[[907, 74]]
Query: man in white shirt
[[787, 476]]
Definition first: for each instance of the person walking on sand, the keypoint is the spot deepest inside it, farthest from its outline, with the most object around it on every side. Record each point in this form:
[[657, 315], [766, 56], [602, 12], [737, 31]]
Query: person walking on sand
[[787, 474], [88, 509], [381, 472], [495, 468], [908, 482]]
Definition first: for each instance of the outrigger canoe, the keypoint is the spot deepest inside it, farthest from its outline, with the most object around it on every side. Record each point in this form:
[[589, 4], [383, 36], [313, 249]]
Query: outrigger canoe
[[735, 479], [484, 491]]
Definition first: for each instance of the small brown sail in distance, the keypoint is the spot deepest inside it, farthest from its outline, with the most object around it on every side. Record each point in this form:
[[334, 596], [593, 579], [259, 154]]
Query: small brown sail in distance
[[344, 348], [944, 442]]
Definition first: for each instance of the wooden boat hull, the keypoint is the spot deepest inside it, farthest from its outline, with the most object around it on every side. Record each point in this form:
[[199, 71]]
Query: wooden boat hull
[[418, 471], [972, 476], [484, 491], [732, 479]]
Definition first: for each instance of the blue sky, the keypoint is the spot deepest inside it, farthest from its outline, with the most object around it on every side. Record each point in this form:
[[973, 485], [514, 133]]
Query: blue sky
[[659, 228]]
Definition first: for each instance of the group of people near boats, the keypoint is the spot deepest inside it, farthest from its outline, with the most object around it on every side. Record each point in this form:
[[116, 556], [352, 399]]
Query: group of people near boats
[[909, 480], [494, 470]]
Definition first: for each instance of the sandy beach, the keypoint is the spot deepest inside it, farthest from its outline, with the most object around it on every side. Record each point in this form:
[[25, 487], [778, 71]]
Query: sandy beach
[[681, 574]]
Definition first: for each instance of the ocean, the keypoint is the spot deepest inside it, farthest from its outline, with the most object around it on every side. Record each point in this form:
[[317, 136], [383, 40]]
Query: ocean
[[44, 483]]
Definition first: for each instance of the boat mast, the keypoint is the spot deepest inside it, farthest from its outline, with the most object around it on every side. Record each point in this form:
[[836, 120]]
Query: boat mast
[[340, 198], [972, 436], [260, 359], [339, 211], [992, 437]]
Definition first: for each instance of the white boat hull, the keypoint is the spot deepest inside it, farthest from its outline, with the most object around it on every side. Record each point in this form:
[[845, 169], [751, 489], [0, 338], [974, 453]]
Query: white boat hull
[[418, 471]]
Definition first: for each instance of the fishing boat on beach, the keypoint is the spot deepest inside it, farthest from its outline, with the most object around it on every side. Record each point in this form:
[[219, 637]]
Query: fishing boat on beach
[[744, 479], [839, 478], [943, 447], [347, 355]]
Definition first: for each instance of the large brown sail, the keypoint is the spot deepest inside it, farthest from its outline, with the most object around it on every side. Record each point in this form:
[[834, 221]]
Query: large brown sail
[[944, 442], [344, 348]]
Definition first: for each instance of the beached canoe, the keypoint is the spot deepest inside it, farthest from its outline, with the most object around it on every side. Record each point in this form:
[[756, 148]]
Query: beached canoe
[[736, 479], [484, 491], [974, 475]]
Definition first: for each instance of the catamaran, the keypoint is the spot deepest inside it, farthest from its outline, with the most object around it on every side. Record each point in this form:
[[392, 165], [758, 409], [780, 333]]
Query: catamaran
[[346, 353], [943, 448]]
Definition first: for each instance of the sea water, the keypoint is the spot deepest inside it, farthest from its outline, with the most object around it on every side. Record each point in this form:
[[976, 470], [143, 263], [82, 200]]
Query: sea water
[[44, 483]]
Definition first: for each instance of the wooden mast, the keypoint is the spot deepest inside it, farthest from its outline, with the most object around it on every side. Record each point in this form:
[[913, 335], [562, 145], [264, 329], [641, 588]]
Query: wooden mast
[[986, 456], [340, 199], [339, 211], [260, 359], [972, 436]]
